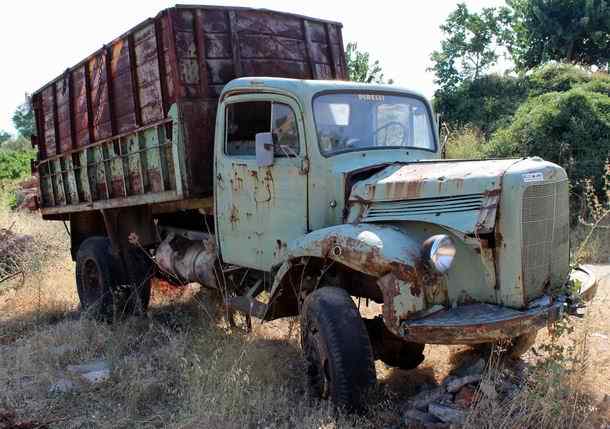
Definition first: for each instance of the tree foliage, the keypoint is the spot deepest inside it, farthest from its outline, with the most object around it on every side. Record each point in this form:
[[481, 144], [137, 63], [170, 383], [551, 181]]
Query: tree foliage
[[572, 31], [470, 46], [4, 136], [15, 164], [23, 119], [360, 68]]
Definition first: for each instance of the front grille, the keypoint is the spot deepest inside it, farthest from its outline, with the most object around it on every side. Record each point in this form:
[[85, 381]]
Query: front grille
[[545, 233], [411, 209]]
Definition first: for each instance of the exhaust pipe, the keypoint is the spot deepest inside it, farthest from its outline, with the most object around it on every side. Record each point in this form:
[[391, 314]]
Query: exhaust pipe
[[189, 260]]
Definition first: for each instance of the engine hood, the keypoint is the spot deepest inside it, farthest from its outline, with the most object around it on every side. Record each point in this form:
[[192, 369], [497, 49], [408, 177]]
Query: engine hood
[[462, 195]]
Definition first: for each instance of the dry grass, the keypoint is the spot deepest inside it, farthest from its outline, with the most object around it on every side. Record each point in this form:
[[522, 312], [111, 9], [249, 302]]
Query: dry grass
[[181, 367]]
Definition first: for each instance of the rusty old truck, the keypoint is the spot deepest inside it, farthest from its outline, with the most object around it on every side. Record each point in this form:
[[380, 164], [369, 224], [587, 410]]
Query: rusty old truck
[[225, 146]]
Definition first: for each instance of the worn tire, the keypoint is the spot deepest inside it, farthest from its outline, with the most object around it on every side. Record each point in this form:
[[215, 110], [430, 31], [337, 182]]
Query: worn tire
[[337, 350], [391, 349], [104, 290]]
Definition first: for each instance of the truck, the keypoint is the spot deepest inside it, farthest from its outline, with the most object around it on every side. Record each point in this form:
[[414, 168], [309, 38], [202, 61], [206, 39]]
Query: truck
[[225, 146]]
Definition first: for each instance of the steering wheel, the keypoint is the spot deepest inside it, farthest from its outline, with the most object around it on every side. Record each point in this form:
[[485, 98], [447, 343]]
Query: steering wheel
[[388, 125]]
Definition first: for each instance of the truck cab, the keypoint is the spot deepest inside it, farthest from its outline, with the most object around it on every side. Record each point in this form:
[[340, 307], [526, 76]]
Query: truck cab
[[320, 133], [341, 186]]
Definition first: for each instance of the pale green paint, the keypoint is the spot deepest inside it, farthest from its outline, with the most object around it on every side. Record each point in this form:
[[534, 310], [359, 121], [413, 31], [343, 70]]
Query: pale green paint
[[473, 276], [259, 210]]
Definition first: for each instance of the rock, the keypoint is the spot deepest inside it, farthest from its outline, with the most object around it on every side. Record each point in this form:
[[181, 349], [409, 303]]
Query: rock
[[447, 413], [488, 389], [465, 397], [96, 376], [454, 384], [446, 398], [98, 365], [62, 349], [508, 389], [425, 397], [93, 372], [475, 367], [417, 416], [63, 385]]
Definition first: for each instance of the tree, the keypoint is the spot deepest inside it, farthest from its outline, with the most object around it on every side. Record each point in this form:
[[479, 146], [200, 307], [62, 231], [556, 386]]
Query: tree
[[360, 68], [471, 44], [573, 31], [23, 119], [4, 136]]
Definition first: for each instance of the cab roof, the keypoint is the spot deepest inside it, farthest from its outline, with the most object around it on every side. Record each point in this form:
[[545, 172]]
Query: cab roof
[[306, 89]]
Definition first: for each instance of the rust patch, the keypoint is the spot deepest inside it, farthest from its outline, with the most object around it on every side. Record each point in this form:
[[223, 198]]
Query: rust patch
[[234, 216], [237, 182], [390, 290]]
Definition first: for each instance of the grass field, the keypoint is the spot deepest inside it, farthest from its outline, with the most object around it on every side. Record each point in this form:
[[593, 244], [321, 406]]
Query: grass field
[[181, 366]]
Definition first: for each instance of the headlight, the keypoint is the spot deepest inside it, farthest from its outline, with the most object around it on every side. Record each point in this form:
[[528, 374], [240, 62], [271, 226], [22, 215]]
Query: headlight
[[439, 250]]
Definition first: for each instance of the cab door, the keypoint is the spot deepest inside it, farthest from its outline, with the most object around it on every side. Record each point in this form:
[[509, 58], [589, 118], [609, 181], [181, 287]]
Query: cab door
[[259, 209]]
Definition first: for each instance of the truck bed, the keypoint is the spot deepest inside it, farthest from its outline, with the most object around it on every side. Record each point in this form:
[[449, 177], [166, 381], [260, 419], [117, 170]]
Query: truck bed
[[133, 123]]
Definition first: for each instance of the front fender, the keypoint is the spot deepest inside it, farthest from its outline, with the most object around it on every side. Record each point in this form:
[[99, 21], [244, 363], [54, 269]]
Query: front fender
[[381, 251]]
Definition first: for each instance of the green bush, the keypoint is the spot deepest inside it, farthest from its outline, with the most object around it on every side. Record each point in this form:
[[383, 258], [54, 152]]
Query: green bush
[[556, 77], [15, 164], [466, 143], [486, 104], [569, 128]]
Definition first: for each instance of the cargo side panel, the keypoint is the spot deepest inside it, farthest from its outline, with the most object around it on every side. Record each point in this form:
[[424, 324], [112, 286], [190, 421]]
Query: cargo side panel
[[104, 131]]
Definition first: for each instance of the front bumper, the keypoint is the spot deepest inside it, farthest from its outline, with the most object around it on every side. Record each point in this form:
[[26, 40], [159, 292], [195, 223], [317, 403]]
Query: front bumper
[[485, 323]]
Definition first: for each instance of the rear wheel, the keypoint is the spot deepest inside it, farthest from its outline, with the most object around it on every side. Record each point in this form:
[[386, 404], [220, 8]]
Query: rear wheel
[[337, 350], [104, 289]]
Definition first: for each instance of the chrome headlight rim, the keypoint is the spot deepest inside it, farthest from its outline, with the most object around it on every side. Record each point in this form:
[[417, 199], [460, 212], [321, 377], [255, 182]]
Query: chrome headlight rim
[[439, 251]]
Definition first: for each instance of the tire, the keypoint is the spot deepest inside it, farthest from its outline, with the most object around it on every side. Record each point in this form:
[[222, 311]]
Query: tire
[[514, 349], [337, 350], [391, 349], [104, 289]]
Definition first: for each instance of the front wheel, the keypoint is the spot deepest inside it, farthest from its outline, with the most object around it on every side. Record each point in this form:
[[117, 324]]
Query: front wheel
[[337, 349]]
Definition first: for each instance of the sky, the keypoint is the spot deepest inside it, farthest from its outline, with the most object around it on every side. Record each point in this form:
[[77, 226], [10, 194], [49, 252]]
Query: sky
[[40, 39]]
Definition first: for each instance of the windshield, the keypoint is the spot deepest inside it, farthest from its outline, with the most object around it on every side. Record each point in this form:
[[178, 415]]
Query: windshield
[[347, 122]]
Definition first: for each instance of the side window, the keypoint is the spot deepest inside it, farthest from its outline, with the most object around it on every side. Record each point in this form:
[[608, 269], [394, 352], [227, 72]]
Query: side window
[[284, 129], [244, 120]]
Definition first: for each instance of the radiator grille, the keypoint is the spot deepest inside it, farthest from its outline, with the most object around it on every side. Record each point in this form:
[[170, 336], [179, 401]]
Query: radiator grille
[[396, 210], [545, 234]]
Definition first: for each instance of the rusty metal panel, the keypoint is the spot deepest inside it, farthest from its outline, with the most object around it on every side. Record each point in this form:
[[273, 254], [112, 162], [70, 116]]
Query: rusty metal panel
[[99, 97], [185, 55], [48, 124], [123, 104], [80, 107], [148, 74], [64, 120]]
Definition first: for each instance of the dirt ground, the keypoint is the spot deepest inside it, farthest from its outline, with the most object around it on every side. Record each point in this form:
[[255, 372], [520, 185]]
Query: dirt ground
[[181, 367]]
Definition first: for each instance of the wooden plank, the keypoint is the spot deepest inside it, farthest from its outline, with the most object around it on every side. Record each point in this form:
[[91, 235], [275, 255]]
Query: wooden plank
[[308, 49], [161, 64], [134, 80], [237, 66], [89, 103], [71, 110], [56, 121], [200, 53], [109, 92], [331, 56]]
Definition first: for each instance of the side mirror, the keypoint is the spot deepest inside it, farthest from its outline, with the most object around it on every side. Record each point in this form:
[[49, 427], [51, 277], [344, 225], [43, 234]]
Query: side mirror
[[264, 149]]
